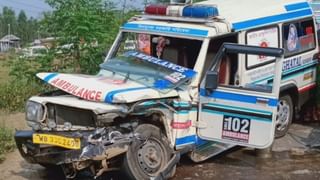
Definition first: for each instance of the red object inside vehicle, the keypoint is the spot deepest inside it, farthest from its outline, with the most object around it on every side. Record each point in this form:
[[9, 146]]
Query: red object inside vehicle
[[309, 30], [224, 71]]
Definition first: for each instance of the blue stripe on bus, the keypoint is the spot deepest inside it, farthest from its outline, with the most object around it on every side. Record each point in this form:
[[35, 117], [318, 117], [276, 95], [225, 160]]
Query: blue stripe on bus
[[297, 6], [237, 97], [271, 19]]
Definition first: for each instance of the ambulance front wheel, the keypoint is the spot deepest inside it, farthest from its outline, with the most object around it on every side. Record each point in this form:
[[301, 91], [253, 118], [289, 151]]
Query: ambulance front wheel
[[284, 116], [147, 156]]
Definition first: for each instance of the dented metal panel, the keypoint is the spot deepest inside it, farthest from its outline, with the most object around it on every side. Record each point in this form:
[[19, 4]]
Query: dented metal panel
[[72, 101], [103, 89]]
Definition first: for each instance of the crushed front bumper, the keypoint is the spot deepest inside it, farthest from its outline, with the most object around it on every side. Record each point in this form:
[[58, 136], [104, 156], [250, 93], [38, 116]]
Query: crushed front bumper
[[44, 154]]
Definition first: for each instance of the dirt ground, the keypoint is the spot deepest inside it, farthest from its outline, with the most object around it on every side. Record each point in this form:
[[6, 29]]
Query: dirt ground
[[291, 159]]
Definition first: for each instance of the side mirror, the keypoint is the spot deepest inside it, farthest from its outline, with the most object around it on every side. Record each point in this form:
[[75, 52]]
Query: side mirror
[[211, 81]]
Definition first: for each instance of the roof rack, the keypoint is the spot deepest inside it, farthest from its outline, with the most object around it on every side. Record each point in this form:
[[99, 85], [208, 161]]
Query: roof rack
[[178, 19]]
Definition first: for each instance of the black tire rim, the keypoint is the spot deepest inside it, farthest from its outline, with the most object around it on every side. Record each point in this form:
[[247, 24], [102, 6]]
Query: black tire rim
[[151, 156]]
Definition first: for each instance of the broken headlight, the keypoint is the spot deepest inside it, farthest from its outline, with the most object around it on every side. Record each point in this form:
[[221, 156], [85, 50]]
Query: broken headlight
[[34, 114]]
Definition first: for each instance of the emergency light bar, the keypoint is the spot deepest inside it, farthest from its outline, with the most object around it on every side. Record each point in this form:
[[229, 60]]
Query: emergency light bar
[[192, 11]]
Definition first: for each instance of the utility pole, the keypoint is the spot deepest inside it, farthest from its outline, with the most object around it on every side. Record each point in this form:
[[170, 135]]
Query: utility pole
[[9, 29], [124, 6]]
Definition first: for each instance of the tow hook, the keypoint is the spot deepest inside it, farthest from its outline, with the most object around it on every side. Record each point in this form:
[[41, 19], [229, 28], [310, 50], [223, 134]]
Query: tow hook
[[165, 172]]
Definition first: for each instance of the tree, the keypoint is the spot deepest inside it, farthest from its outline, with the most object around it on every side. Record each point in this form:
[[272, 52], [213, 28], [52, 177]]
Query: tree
[[32, 29], [22, 26], [8, 17], [1, 25], [86, 25]]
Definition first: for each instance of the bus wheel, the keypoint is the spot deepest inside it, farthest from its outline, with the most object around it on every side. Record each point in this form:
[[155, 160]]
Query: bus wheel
[[146, 158], [284, 116]]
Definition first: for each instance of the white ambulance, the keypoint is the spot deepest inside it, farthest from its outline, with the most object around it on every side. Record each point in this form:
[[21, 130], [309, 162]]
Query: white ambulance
[[181, 78]]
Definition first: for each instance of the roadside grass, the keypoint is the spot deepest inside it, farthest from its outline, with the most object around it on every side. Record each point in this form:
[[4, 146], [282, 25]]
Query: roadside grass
[[16, 84], [7, 143], [4, 71]]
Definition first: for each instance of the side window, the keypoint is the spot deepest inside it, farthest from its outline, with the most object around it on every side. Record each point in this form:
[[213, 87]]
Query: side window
[[263, 37], [298, 37]]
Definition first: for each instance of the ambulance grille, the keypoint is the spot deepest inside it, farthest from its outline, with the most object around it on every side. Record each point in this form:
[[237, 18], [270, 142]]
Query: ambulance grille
[[79, 117]]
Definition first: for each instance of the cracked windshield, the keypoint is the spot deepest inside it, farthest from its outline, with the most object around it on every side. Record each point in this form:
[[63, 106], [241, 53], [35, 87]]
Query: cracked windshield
[[155, 61]]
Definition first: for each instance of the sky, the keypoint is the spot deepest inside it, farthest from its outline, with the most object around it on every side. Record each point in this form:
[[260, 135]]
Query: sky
[[34, 8]]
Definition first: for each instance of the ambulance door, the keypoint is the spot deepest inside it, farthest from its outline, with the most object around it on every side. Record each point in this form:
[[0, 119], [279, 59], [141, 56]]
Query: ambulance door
[[236, 115]]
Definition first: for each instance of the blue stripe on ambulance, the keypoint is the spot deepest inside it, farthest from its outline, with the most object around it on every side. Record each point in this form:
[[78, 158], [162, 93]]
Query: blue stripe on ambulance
[[289, 72], [181, 104], [239, 108], [301, 72], [237, 97], [191, 139], [271, 19], [186, 140], [166, 29], [181, 112], [301, 67], [50, 76], [297, 6], [292, 75], [110, 95], [252, 118]]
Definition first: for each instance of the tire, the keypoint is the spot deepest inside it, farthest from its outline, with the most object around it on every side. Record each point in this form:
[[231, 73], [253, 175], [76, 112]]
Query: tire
[[284, 116], [51, 167], [145, 158]]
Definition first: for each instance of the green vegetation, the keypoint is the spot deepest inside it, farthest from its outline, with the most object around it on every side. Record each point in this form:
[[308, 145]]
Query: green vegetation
[[13, 95], [6, 142], [25, 28], [4, 72], [87, 26], [84, 31]]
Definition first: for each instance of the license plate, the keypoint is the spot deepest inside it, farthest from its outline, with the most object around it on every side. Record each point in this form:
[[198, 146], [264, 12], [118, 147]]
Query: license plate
[[65, 142]]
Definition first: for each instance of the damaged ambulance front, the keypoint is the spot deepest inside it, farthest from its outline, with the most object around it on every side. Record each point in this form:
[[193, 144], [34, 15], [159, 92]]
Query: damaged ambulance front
[[118, 118]]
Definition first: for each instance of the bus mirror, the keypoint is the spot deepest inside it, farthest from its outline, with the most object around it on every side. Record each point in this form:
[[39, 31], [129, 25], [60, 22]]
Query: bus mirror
[[211, 81]]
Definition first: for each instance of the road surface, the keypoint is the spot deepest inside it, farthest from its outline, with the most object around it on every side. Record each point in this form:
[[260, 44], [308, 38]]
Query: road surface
[[290, 160]]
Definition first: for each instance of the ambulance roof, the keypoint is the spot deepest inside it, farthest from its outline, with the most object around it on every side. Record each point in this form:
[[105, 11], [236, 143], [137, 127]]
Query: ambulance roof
[[238, 14], [246, 14]]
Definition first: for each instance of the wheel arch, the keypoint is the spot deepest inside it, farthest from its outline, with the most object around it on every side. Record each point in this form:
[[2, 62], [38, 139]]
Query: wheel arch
[[291, 90], [161, 118]]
